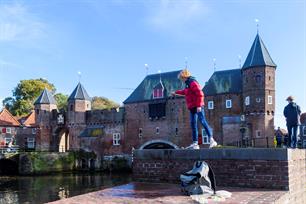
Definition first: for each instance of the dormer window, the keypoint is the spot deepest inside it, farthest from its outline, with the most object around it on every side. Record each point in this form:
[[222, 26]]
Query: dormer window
[[158, 93]]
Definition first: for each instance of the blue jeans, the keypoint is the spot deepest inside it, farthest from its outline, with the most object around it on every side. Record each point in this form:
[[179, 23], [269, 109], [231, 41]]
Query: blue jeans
[[292, 134], [194, 116]]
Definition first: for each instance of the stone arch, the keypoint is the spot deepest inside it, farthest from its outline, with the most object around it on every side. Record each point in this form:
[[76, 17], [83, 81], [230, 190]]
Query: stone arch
[[84, 164], [61, 139], [158, 144], [92, 164]]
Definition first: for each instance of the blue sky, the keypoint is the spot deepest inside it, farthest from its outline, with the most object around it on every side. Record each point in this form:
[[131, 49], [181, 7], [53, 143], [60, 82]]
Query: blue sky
[[110, 41]]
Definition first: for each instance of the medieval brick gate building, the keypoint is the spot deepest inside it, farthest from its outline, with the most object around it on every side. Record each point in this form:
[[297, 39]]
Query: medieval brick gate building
[[240, 106]]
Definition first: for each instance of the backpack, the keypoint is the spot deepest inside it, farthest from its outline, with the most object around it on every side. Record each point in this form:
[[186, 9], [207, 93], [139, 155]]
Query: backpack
[[198, 180]]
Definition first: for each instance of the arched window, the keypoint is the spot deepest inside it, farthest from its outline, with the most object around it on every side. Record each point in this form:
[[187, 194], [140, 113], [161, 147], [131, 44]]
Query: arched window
[[258, 78]]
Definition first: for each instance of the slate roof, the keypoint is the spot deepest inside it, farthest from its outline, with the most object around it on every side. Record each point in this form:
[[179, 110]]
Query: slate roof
[[45, 98], [79, 93], [258, 55], [144, 91], [7, 119], [226, 81]]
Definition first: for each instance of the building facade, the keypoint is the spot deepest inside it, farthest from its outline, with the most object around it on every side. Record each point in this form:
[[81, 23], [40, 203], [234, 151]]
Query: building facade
[[240, 106]]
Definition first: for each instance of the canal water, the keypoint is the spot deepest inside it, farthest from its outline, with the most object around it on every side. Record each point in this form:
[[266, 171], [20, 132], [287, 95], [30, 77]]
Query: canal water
[[42, 189]]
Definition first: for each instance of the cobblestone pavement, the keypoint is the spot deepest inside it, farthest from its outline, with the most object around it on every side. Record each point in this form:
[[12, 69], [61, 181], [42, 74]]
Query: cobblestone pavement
[[139, 193]]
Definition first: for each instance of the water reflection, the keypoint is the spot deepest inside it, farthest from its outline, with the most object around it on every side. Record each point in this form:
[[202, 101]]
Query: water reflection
[[42, 189]]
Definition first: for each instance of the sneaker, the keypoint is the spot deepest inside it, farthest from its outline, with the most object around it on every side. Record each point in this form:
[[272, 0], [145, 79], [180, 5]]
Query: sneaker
[[193, 146], [213, 143]]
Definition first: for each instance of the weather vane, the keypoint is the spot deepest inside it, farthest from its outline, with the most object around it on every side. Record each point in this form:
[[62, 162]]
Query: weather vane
[[147, 68], [239, 58], [79, 75], [257, 24], [214, 60]]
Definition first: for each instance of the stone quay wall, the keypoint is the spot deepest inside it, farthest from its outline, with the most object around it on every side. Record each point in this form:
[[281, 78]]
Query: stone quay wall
[[282, 169]]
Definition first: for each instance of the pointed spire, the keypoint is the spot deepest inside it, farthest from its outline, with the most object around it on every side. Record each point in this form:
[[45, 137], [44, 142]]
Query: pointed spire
[[258, 55], [79, 93], [45, 98]]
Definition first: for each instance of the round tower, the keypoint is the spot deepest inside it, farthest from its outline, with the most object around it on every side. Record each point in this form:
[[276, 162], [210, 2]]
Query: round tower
[[258, 92], [45, 106], [79, 103]]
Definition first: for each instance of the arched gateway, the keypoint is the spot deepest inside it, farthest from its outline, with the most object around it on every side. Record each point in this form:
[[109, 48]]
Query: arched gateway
[[158, 144]]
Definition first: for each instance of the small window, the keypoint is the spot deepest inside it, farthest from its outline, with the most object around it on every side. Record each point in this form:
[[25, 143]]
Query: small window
[[140, 132], [270, 101], [158, 93], [258, 78], [258, 134], [8, 130], [116, 139], [176, 131], [37, 111], [71, 107], [228, 103], [210, 105], [304, 131], [304, 144], [205, 137], [247, 101], [33, 131], [258, 100], [157, 130], [31, 143]]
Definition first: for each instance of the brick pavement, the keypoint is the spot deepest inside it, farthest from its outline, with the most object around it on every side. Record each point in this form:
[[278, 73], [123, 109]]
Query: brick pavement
[[161, 193]]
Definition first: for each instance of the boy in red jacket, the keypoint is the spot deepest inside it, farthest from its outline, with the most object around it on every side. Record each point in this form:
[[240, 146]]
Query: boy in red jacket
[[195, 103]]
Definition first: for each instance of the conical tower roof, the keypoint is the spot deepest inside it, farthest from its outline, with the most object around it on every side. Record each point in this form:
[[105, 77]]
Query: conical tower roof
[[79, 93], [258, 55], [45, 98]]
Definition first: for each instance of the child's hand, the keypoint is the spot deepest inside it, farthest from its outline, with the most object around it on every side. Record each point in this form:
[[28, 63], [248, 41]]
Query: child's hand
[[199, 109], [173, 93]]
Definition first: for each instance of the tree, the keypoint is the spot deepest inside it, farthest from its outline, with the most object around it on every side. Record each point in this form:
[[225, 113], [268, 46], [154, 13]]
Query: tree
[[25, 94], [99, 103], [61, 100]]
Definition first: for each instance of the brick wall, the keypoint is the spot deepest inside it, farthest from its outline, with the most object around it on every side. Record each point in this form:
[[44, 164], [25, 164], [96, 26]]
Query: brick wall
[[254, 168]]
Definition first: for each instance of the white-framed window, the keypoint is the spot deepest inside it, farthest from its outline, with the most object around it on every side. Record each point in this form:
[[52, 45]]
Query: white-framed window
[[304, 143], [228, 103], [31, 143], [205, 139], [304, 130], [158, 93], [9, 130], [247, 101], [7, 141], [258, 133], [258, 100], [33, 131], [140, 132], [210, 105], [116, 139], [270, 100], [157, 130], [242, 117], [176, 131]]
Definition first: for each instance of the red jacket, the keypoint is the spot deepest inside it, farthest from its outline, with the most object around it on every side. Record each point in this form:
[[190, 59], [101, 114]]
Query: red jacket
[[193, 94]]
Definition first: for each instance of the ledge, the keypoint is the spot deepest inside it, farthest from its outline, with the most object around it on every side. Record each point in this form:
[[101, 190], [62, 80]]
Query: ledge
[[216, 154]]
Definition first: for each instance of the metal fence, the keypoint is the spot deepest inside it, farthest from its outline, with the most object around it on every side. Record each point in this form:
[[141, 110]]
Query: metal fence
[[4, 149]]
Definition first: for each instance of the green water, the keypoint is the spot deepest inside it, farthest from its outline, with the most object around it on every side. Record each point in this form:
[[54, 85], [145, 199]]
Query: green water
[[42, 189]]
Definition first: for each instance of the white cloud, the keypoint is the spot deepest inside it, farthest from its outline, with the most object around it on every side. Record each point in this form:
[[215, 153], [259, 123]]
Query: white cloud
[[17, 23], [176, 16]]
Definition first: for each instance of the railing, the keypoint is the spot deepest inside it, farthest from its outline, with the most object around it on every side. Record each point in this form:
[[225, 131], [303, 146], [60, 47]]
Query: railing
[[254, 142], [4, 149]]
